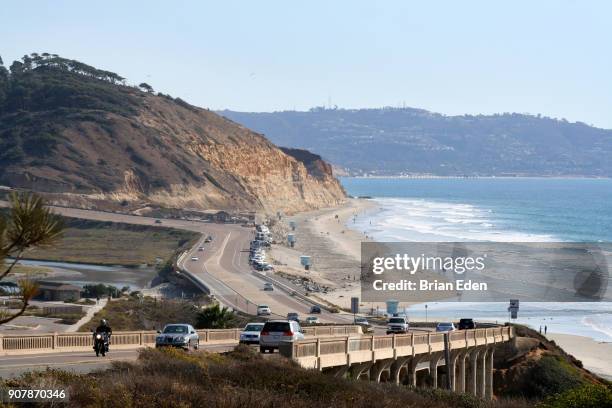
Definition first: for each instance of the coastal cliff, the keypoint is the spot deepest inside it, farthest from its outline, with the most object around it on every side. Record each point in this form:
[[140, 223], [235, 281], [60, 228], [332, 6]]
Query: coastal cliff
[[78, 135]]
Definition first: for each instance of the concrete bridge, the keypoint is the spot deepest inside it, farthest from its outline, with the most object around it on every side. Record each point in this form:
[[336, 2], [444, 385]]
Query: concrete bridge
[[399, 358], [15, 345]]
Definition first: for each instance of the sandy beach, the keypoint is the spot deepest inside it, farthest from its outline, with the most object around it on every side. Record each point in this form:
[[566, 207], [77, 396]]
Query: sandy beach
[[335, 249], [595, 356]]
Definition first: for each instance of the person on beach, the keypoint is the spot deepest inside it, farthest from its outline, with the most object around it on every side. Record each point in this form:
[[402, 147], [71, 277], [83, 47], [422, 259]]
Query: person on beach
[[545, 330]]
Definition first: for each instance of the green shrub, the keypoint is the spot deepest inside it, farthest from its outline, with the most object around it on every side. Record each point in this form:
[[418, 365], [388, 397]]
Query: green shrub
[[586, 396]]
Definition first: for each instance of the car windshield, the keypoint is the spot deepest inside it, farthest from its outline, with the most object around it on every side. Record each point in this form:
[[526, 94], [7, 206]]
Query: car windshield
[[253, 327], [175, 329], [444, 325], [276, 327], [361, 320], [396, 320], [263, 306]]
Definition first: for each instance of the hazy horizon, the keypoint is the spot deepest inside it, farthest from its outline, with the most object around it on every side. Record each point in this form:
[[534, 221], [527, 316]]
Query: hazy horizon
[[547, 58]]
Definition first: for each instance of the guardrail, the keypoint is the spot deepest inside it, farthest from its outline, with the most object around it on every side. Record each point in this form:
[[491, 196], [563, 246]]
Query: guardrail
[[326, 352], [67, 342]]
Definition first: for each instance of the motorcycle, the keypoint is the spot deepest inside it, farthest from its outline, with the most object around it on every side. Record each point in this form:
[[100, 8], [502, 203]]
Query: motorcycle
[[100, 343]]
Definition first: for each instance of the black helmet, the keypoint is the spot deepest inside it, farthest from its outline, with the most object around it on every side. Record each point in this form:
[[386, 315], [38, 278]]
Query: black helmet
[[103, 322]]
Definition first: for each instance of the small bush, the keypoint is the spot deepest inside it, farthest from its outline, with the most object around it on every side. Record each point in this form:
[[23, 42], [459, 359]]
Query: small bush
[[586, 396]]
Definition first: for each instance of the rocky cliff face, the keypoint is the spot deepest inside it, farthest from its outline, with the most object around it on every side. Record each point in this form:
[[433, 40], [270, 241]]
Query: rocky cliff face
[[150, 151]]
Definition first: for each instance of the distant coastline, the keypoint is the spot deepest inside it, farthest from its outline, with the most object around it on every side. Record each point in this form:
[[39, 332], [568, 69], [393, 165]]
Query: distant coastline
[[430, 176]]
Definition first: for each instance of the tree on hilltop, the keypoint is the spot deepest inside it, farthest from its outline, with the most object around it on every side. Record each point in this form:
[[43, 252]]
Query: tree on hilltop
[[146, 87]]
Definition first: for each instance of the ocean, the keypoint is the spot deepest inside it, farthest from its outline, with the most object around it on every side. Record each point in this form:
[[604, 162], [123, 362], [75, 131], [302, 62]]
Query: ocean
[[495, 209]]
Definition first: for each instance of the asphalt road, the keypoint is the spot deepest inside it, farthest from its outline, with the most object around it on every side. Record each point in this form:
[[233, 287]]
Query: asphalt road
[[77, 362], [222, 265]]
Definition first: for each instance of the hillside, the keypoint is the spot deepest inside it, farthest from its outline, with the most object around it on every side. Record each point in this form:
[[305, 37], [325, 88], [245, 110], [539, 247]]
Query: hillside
[[414, 141], [80, 135]]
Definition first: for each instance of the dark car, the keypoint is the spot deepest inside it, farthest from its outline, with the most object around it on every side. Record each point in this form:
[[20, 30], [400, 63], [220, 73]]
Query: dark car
[[315, 309], [465, 324]]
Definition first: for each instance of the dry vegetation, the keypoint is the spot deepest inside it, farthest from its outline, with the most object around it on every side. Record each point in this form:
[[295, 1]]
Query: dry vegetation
[[172, 378], [108, 243]]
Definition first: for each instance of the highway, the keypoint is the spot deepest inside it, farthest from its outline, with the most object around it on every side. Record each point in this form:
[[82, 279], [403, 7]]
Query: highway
[[222, 266]]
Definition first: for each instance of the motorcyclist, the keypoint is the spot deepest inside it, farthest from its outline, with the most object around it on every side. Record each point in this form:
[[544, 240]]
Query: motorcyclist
[[105, 328]]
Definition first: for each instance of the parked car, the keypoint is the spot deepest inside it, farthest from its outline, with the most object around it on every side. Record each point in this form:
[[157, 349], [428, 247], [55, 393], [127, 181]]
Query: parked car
[[208, 239], [315, 309], [250, 333], [263, 266], [158, 221], [178, 335], [397, 324], [268, 286], [465, 324], [276, 331], [195, 258], [366, 327], [200, 249], [293, 316], [263, 310], [312, 320], [445, 326]]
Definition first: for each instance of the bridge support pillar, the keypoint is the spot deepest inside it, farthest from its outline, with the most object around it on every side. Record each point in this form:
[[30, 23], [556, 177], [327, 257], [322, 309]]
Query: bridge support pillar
[[338, 372], [460, 377], [378, 368], [454, 369], [357, 370], [434, 360], [412, 369], [481, 372], [472, 372], [489, 375], [396, 368]]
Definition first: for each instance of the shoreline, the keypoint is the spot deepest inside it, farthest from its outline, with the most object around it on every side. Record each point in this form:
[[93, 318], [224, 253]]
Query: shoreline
[[433, 177], [334, 247], [596, 356], [332, 227]]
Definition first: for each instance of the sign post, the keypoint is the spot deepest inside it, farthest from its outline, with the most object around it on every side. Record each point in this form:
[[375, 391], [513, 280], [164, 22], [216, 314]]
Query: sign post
[[354, 306], [513, 308]]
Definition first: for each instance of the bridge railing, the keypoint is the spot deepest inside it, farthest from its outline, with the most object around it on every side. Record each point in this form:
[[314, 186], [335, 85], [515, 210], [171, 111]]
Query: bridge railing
[[319, 347], [58, 342]]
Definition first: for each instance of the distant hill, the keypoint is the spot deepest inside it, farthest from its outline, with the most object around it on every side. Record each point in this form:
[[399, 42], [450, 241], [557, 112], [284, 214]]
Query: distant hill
[[393, 141], [83, 137]]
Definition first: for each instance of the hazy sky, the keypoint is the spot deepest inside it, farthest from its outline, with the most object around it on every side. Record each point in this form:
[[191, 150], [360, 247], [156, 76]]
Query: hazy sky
[[454, 57]]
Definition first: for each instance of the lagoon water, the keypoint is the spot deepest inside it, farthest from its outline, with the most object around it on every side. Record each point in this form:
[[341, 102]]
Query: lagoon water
[[495, 209]]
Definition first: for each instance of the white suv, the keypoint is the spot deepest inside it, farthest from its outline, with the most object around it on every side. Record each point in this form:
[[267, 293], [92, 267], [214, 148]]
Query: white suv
[[397, 324], [276, 331], [263, 310]]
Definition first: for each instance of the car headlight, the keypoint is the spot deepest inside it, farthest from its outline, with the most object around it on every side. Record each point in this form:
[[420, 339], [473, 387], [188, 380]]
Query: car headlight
[[182, 339]]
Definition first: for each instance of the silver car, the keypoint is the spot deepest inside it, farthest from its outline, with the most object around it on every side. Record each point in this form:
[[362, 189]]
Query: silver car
[[178, 335], [276, 331]]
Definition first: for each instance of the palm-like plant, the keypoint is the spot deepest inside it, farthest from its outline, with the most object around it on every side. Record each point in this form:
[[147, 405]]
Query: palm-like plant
[[215, 317], [30, 224]]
